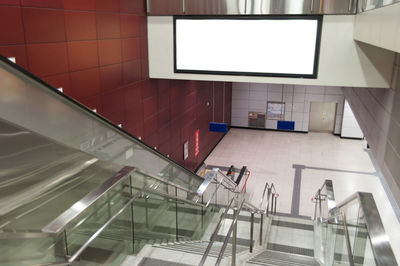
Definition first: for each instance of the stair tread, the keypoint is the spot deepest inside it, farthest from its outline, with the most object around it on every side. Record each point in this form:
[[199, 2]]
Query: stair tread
[[270, 257]]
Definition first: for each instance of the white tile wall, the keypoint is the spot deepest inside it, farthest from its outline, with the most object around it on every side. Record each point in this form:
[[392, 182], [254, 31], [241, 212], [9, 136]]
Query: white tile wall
[[254, 97]]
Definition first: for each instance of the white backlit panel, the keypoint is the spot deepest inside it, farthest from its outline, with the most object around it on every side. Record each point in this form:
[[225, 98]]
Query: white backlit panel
[[247, 46]]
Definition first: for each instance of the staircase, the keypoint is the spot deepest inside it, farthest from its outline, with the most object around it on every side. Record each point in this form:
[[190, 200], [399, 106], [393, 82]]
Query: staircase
[[290, 242]]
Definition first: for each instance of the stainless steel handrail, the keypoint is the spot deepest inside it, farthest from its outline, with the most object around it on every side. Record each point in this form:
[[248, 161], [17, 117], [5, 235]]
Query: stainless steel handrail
[[228, 236], [263, 195], [163, 180], [58, 224], [214, 234], [95, 235], [271, 195], [329, 197], [347, 239], [227, 178], [380, 243], [213, 176]]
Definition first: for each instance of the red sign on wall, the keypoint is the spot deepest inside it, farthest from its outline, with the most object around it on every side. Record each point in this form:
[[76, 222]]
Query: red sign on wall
[[196, 143]]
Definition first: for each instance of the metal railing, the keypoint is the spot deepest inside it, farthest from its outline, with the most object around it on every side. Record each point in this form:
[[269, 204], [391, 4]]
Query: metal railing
[[242, 204], [360, 214], [325, 193]]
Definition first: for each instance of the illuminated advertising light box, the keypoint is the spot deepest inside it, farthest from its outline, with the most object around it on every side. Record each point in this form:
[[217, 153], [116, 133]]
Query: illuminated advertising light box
[[278, 46]]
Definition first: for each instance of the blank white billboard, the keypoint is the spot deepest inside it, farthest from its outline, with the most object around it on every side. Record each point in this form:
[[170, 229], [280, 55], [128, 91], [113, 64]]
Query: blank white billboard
[[284, 46]]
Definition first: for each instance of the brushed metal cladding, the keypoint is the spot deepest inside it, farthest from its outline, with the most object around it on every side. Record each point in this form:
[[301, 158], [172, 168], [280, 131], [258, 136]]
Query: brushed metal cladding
[[251, 7], [287, 7], [215, 7], [32, 164]]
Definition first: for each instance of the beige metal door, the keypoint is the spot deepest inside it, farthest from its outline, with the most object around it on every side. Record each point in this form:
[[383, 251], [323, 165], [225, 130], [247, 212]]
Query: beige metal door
[[322, 117]]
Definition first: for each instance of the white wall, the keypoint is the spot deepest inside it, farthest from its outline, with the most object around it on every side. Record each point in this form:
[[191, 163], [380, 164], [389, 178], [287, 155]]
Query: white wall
[[253, 97], [350, 127], [343, 62], [380, 27]]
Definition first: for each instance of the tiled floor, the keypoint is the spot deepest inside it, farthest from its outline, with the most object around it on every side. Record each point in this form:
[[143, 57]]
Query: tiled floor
[[270, 157]]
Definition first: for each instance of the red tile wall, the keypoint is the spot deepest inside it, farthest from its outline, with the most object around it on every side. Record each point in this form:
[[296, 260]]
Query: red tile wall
[[97, 51]]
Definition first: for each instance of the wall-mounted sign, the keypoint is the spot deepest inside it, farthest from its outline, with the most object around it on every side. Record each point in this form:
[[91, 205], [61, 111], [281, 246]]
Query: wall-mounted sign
[[196, 143], [276, 110], [185, 150]]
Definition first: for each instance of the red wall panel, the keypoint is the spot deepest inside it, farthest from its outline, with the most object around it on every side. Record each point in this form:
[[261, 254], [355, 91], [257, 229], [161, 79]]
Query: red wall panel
[[97, 51], [80, 5], [130, 49], [80, 25], [85, 83], [43, 3], [82, 55], [108, 25], [11, 27], [43, 25], [109, 52], [130, 25], [111, 77], [48, 59]]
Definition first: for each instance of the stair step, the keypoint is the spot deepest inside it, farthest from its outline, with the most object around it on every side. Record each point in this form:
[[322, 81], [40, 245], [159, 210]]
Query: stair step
[[291, 249], [200, 248], [279, 259], [157, 262]]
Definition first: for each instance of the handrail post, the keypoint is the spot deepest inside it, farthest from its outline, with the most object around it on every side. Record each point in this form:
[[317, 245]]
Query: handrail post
[[66, 243], [276, 199], [176, 214], [347, 239], [251, 231], [261, 228], [272, 203], [234, 239], [132, 217]]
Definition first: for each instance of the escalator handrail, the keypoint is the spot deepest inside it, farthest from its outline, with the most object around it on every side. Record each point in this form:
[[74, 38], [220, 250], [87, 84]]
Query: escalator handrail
[[60, 222], [380, 243], [91, 114]]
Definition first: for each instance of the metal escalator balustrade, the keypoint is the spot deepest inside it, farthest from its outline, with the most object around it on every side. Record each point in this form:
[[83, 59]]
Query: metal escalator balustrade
[[30, 103]]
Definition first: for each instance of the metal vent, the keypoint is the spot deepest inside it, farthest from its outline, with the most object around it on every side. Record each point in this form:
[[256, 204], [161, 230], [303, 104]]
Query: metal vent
[[256, 119]]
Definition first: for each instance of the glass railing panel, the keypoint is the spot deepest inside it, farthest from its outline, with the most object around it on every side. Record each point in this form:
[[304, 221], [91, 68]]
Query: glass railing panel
[[362, 249], [94, 217], [31, 104], [112, 245], [47, 206], [29, 251], [339, 255]]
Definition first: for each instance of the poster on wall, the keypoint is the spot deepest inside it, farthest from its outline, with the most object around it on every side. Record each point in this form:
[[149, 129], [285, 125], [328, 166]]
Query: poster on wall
[[275, 110], [196, 143], [185, 150]]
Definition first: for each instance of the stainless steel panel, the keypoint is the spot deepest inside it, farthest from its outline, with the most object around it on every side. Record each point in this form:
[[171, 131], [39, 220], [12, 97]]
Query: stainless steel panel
[[163, 7], [287, 7], [255, 7], [339, 6], [215, 7]]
